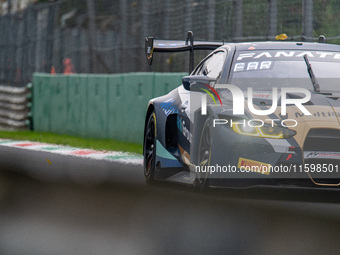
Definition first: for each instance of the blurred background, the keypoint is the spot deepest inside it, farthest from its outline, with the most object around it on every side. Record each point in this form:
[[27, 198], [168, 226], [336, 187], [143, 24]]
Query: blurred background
[[98, 36], [97, 207]]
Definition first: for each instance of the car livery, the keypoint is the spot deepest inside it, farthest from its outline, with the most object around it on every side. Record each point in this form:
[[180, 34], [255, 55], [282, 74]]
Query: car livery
[[192, 135]]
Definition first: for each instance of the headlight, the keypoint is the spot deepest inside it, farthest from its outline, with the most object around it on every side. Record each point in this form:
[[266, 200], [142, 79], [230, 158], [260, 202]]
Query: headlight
[[262, 130]]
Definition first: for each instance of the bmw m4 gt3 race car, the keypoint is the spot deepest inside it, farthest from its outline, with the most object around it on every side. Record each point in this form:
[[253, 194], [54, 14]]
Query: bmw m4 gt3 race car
[[255, 113]]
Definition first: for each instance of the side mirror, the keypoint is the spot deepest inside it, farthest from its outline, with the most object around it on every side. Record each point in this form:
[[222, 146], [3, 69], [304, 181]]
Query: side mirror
[[196, 79], [186, 82]]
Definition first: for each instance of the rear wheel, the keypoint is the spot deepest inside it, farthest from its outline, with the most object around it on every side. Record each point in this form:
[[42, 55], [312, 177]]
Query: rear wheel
[[150, 149], [204, 155]]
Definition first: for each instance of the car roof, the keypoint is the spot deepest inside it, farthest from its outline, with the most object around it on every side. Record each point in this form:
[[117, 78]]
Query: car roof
[[279, 45]]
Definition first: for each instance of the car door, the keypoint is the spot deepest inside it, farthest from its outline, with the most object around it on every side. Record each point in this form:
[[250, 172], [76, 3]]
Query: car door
[[211, 67]]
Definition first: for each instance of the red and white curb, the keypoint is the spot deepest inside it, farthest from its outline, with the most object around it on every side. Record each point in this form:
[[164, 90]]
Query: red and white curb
[[115, 156]]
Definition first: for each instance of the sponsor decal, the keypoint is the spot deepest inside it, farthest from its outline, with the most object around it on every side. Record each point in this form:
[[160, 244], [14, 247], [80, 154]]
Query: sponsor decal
[[262, 95], [169, 107], [289, 157], [184, 130], [171, 45], [319, 114], [322, 154], [149, 52], [253, 166], [210, 94], [251, 66], [289, 54]]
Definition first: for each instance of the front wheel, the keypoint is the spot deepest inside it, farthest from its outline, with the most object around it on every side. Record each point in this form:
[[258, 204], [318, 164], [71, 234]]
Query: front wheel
[[149, 149], [204, 156]]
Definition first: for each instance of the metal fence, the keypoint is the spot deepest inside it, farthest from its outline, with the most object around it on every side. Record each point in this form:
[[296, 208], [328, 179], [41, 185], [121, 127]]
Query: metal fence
[[88, 36]]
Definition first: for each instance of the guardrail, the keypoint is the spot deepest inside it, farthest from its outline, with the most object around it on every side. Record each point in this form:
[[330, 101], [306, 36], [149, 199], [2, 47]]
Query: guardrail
[[15, 108], [99, 106]]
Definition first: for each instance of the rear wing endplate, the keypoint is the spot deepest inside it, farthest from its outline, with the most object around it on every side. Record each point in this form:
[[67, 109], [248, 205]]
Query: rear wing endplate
[[152, 45]]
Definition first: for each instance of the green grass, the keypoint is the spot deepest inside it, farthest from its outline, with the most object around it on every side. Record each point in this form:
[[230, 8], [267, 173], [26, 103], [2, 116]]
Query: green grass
[[79, 142]]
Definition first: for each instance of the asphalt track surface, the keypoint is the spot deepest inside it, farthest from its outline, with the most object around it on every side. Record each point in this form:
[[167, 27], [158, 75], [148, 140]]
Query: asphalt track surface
[[86, 206]]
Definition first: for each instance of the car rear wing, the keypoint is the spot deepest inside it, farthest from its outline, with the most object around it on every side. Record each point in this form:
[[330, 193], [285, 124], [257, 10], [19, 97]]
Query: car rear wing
[[152, 45]]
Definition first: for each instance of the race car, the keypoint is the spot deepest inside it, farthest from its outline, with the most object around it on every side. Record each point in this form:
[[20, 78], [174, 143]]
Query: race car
[[251, 113]]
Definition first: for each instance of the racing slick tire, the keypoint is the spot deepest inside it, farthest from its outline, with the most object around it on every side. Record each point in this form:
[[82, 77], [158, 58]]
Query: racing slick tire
[[149, 150], [204, 156]]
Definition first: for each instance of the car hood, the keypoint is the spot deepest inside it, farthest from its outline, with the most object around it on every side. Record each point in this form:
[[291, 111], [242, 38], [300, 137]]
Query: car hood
[[324, 109]]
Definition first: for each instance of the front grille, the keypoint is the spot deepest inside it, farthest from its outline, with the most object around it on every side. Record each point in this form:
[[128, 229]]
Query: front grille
[[322, 139]]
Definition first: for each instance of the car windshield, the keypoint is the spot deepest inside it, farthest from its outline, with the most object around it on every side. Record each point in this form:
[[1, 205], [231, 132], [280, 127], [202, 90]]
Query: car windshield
[[286, 68]]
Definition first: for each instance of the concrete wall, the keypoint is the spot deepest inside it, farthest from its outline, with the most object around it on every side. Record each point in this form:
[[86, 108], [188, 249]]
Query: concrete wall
[[99, 106]]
